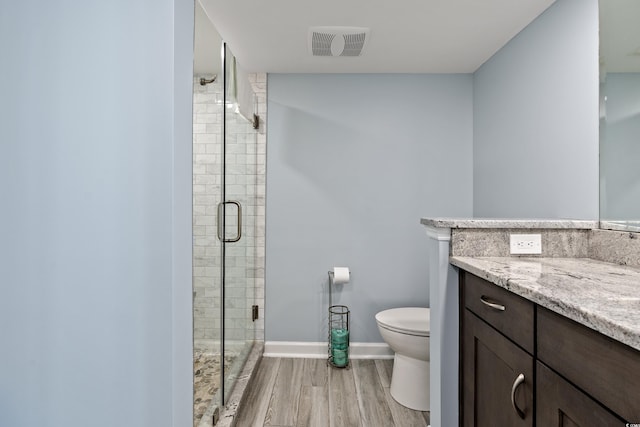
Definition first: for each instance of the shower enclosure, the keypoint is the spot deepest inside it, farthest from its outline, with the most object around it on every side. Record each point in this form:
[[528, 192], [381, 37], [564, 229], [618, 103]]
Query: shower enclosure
[[227, 216]]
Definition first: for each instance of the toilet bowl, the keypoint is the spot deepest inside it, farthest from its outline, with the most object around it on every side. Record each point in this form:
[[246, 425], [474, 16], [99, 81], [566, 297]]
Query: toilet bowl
[[406, 331]]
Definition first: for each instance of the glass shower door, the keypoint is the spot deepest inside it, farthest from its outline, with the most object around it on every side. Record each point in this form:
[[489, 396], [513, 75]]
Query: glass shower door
[[208, 108], [238, 217]]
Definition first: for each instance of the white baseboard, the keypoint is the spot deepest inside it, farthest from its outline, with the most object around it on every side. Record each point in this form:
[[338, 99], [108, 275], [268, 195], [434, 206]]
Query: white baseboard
[[318, 350]]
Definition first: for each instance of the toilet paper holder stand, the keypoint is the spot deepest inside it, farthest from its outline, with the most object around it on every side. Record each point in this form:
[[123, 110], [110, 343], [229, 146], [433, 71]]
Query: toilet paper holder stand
[[338, 333]]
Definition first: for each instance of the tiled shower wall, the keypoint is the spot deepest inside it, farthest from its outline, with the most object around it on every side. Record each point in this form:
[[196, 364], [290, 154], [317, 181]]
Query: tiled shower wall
[[245, 181], [259, 83]]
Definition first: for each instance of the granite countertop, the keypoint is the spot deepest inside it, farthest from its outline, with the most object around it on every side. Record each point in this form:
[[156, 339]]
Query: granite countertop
[[508, 223], [599, 295], [621, 225]]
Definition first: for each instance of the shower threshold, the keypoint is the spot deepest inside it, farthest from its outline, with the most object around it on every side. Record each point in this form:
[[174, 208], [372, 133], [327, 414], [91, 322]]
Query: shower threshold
[[238, 382]]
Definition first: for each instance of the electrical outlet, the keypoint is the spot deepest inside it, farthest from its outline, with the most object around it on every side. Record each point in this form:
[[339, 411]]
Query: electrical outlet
[[529, 244]]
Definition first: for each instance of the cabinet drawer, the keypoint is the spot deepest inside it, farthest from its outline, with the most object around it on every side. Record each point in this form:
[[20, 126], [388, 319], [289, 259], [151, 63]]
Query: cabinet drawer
[[507, 312], [605, 369]]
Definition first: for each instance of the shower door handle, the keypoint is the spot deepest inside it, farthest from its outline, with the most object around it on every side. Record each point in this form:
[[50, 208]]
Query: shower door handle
[[221, 233]]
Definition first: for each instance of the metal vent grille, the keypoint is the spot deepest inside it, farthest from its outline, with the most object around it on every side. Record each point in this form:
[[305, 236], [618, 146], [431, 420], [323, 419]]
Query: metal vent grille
[[353, 44], [321, 44], [337, 41]]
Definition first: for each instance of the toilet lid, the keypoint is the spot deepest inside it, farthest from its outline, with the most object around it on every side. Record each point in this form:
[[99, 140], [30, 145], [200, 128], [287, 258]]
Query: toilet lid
[[407, 320]]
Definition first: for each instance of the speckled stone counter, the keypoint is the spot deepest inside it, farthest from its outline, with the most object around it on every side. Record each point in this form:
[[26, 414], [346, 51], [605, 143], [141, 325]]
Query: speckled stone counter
[[633, 226], [508, 223], [599, 295]]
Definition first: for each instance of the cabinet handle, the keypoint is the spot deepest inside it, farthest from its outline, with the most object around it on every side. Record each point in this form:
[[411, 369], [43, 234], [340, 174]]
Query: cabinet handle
[[519, 380], [493, 305]]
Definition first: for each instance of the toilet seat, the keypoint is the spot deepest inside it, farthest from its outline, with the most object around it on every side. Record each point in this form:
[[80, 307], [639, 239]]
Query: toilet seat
[[405, 320]]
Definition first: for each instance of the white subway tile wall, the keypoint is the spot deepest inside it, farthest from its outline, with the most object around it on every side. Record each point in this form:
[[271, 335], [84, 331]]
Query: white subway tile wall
[[245, 182]]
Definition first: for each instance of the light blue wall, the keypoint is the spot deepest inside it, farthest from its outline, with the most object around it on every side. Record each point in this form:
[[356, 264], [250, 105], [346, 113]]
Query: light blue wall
[[95, 270], [535, 112], [353, 163], [620, 148]]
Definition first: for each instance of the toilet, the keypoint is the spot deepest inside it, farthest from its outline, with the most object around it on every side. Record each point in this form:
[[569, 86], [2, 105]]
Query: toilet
[[406, 331]]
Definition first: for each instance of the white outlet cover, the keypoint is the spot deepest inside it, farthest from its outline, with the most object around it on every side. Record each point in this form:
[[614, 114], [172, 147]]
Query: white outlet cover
[[525, 244]]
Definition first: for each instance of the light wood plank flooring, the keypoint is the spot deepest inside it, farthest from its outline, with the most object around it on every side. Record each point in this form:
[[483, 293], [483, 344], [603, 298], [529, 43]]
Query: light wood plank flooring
[[308, 393]]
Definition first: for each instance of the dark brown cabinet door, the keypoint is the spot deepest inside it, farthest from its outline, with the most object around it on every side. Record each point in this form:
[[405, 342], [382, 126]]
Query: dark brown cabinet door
[[604, 369], [497, 378], [561, 404]]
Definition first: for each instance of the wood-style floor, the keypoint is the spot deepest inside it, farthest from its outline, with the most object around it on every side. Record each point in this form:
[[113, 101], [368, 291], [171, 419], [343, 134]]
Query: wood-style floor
[[308, 393]]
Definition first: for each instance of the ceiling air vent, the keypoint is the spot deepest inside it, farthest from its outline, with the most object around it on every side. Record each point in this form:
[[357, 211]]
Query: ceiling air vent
[[337, 41]]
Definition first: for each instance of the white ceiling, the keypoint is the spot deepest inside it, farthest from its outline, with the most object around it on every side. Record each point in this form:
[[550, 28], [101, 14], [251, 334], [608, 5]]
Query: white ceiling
[[407, 36]]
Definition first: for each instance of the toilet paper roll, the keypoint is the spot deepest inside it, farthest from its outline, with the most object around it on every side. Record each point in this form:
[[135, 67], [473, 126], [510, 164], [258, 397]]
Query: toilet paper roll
[[340, 357], [339, 335], [339, 339], [340, 275]]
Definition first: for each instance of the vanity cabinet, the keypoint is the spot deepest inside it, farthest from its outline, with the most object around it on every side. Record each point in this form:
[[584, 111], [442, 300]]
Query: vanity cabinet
[[497, 361], [582, 377]]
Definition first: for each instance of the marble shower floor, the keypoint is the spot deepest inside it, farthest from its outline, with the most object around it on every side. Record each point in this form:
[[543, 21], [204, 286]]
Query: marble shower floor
[[206, 380]]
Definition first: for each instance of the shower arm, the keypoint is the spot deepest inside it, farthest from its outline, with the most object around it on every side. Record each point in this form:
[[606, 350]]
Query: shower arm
[[204, 82]]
